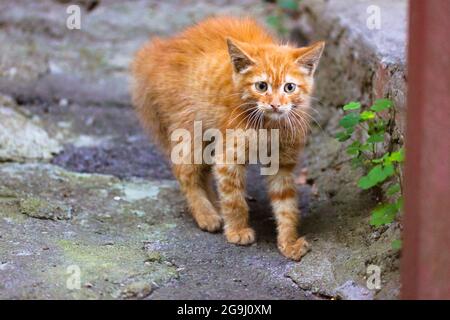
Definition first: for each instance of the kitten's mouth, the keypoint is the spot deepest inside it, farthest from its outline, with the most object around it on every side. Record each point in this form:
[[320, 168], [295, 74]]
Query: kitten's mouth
[[276, 115]]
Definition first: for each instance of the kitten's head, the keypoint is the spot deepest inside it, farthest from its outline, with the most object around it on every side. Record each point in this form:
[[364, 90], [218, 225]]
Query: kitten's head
[[275, 80]]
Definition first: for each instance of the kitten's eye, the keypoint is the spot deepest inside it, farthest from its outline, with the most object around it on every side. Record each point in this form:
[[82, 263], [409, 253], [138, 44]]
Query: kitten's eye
[[261, 86], [290, 87]]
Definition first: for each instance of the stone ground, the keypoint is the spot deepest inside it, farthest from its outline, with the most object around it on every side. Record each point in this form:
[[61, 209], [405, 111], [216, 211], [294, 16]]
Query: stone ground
[[81, 186]]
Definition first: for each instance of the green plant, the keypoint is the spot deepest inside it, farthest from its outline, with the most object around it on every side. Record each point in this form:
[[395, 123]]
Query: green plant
[[280, 12], [371, 132]]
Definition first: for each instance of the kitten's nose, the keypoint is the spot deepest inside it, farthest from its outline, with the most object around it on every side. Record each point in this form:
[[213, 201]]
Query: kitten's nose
[[275, 107]]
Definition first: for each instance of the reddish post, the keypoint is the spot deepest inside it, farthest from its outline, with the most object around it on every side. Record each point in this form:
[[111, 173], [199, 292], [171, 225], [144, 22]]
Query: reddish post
[[426, 250]]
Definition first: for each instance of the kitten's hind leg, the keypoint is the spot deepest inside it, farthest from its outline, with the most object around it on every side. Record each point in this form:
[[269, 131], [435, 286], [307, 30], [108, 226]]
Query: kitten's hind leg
[[193, 181]]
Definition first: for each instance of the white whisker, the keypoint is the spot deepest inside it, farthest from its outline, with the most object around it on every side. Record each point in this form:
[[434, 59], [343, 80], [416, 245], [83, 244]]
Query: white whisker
[[309, 117], [241, 113]]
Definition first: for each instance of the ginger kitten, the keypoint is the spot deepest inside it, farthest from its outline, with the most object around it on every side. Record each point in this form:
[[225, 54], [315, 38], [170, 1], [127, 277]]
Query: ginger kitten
[[225, 72]]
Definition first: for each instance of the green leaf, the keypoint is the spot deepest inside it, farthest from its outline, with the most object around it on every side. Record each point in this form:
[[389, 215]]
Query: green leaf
[[352, 106], [381, 104], [372, 178], [342, 136], [396, 244], [393, 189], [367, 115], [398, 156], [384, 214], [365, 147], [381, 160], [350, 131], [378, 174], [353, 149], [288, 4], [350, 120], [375, 138], [274, 21], [389, 170], [380, 126], [366, 183]]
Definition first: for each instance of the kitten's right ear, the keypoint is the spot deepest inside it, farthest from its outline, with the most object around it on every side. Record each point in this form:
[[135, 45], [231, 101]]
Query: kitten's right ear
[[308, 58], [240, 60]]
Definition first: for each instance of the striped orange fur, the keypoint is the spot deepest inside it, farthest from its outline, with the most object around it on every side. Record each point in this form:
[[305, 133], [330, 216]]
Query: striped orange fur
[[219, 72]]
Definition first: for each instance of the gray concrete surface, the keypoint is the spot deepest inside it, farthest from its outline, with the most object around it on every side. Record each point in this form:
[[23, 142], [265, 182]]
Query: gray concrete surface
[[103, 199]]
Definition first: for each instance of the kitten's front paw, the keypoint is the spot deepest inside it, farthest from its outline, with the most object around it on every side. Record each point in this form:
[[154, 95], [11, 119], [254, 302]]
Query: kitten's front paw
[[242, 237], [294, 250], [210, 222]]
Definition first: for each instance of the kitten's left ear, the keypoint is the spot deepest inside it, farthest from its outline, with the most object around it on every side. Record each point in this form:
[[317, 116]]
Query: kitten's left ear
[[308, 58], [239, 58]]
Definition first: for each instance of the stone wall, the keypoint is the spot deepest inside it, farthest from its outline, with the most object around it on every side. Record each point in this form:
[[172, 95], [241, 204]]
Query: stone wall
[[358, 63]]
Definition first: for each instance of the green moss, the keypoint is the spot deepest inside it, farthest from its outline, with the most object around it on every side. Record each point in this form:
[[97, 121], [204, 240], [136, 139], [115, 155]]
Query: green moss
[[87, 180], [154, 256], [108, 268], [98, 258], [7, 194], [43, 209], [33, 205], [121, 270], [9, 208]]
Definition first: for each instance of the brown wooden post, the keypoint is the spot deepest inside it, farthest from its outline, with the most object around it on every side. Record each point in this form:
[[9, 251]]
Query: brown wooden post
[[426, 250]]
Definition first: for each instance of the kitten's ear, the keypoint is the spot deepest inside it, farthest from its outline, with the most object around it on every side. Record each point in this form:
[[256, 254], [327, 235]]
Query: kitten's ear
[[308, 58], [240, 60]]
